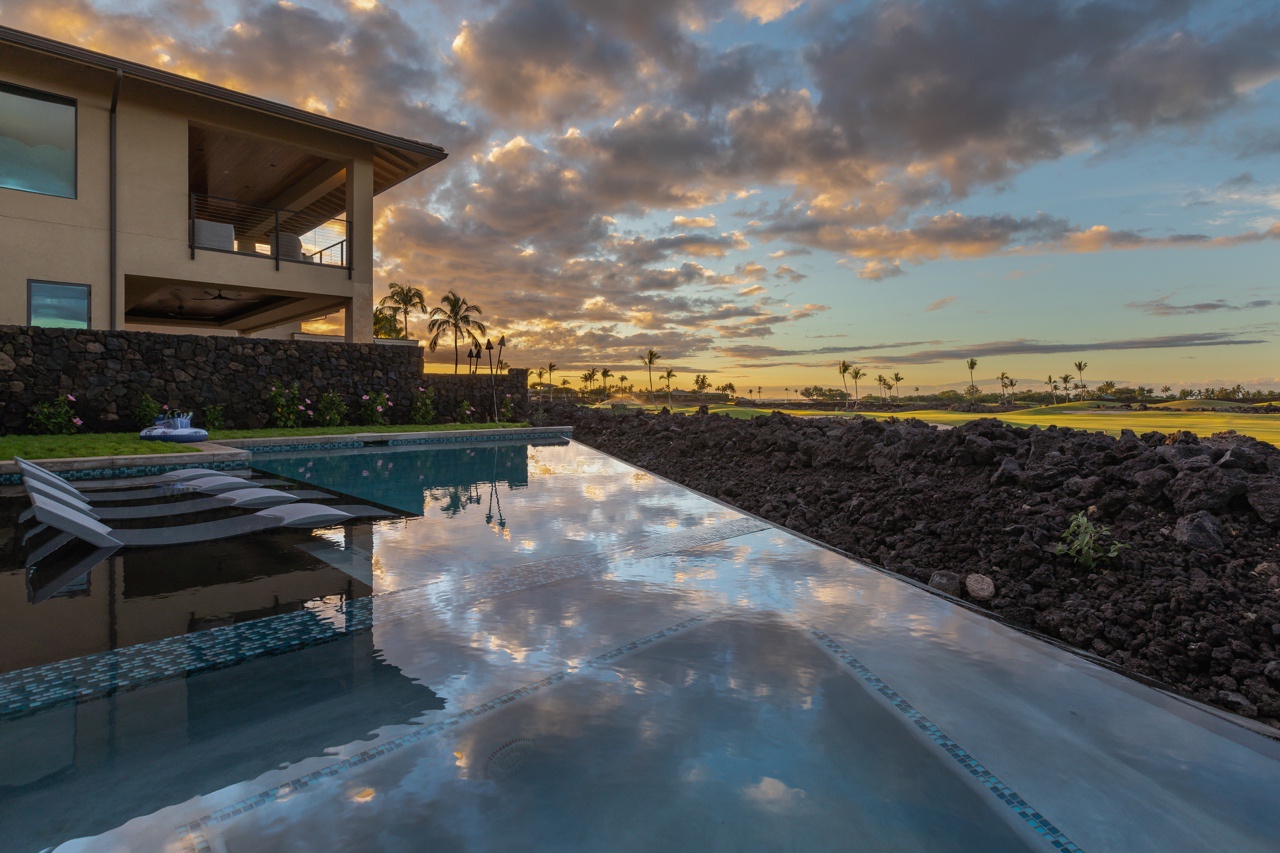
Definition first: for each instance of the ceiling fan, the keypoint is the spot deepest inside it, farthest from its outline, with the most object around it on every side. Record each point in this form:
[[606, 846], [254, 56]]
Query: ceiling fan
[[218, 296]]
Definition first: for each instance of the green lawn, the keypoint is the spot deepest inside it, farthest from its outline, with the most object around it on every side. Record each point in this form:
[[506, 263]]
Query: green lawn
[[84, 444], [1077, 416], [125, 444]]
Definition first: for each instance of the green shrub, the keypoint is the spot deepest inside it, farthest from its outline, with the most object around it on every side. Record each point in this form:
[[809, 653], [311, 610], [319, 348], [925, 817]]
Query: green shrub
[[374, 408], [422, 408], [331, 409], [214, 418], [147, 412], [466, 413], [1087, 543], [508, 405], [54, 418], [285, 410]]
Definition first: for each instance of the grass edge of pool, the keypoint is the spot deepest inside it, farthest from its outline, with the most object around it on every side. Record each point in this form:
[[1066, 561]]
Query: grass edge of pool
[[86, 445]]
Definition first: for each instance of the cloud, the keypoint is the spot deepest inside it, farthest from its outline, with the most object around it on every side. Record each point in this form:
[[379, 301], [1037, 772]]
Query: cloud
[[1162, 307], [939, 304], [984, 88], [1024, 346], [708, 221], [877, 270], [774, 795]]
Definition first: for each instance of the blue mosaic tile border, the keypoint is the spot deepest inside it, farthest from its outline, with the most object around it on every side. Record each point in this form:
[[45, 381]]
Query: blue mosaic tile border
[[194, 832], [15, 479], [1038, 822], [29, 691], [478, 436]]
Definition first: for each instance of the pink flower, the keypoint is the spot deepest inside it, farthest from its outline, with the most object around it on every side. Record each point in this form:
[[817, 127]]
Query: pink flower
[[310, 413], [299, 408], [165, 407], [72, 399], [77, 422], [273, 387], [379, 408], [389, 403], [365, 397], [420, 388], [308, 402]]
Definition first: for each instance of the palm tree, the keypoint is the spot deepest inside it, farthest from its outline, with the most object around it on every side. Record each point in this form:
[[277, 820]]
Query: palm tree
[[1053, 387], [457, 316], [972, 363], [385, 323], [668, 376], [404, 298], [1012, 384], [856, 374], [650, 359], [880, 380], [1080, 366], [551, 369], [622, 380], [1066, 385], [605, 375], [897, 383], [845, 367], [1004, 383], [540, 373], [586, 379]]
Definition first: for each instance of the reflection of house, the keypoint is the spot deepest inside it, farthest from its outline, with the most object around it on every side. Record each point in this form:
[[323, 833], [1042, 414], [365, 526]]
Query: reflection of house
[[135, 198], [148, 595]]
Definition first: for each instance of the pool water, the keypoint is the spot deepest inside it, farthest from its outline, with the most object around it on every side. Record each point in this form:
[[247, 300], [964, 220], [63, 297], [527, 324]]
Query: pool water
[[555, 650]]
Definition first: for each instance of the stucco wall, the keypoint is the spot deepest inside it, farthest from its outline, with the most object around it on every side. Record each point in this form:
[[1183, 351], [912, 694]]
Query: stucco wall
[[109, 373]]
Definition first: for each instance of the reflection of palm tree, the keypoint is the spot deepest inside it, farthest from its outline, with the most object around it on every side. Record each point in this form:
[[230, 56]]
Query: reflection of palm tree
[[457, 316], [650, 359], [669, 375]]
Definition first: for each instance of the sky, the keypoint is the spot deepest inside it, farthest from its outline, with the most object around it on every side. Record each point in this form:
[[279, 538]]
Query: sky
[[758, 189]]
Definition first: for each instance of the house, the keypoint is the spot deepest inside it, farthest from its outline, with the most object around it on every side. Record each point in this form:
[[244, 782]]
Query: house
[[132, 198]]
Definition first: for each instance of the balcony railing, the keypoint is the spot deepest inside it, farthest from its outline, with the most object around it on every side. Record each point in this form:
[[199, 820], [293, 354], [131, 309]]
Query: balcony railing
[[226, 225]]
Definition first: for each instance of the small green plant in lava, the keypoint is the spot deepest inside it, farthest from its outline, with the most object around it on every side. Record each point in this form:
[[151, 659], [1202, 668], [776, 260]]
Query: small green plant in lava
[[1088, 543]]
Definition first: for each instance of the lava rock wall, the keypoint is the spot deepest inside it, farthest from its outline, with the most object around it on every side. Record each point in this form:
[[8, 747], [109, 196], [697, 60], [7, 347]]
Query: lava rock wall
[[109, 373]]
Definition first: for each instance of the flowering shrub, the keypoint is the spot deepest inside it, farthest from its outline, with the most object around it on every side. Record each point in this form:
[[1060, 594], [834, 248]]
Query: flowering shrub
[[147, 412], [508, 409], [422, 408], [466, 414], [330, 410], [214, 417], [375, 408], [286, 409], [55, 418]]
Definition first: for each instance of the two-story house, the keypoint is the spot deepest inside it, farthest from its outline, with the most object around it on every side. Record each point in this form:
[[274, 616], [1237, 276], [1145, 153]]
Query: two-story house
[[134, 198]]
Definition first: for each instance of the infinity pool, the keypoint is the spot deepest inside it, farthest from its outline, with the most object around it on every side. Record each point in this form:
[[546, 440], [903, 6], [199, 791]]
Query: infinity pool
[[555, 650]]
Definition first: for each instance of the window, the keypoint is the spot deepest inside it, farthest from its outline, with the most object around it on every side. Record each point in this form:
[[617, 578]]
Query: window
[[37, 142], [63, 306]]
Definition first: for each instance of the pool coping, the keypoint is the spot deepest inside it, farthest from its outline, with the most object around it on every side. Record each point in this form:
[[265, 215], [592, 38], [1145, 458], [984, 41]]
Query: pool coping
[[232, 453]]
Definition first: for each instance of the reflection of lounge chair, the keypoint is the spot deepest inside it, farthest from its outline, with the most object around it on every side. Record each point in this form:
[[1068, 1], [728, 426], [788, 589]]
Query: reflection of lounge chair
[[67, 518]]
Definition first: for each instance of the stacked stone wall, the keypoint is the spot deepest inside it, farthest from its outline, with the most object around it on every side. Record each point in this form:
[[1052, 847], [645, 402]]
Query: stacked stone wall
[[110, 374]]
